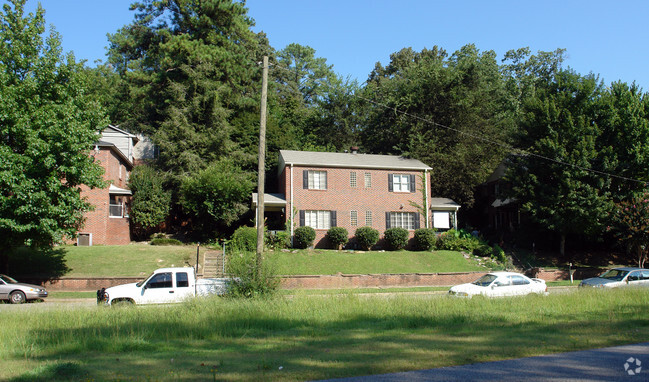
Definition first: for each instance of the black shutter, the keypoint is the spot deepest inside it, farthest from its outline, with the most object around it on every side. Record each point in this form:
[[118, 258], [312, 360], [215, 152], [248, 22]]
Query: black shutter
[[417, 217], [333, 218], [413, 186], [305, 179], [390, 182], [387, 220], [302, 218]]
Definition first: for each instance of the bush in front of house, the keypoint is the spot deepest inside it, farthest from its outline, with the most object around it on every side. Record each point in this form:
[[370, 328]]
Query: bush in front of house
[[366, 237], [483, 250], [278, 240], [425, 239], [396, 238], [337, 236], [304, 237], [244, 239], [165, 241], [461, 240]]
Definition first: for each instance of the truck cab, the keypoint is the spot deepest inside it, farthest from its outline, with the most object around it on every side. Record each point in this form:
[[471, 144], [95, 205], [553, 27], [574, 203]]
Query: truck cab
[[164, 285]]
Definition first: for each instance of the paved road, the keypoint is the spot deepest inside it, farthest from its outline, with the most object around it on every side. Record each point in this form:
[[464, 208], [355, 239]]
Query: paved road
[[607, 364]]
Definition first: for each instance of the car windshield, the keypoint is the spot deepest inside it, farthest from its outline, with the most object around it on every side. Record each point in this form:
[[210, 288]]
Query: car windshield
[[614, 274], [139, 284], [8, 279], [485, 280]]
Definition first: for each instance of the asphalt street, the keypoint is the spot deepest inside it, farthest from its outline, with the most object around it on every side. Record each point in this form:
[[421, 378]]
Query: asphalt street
[[620, 363]]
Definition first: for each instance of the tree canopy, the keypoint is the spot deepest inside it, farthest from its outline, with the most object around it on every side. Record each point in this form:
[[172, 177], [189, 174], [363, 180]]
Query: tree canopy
[[47, 127]]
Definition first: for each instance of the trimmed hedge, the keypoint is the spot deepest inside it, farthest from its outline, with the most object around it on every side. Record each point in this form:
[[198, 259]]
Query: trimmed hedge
[[165, 241], [304, 237], [366, 237], [425, 239], [396, 238], [245, 239], [337, 236]]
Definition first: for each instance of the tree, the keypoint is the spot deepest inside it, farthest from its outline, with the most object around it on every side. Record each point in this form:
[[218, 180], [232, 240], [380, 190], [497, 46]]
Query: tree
[[631, 225], [47, 127], [449, 112], [216, 197], [551, 179], [151, 203]]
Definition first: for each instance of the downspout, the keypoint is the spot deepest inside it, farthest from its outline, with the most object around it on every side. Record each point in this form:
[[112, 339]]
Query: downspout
[[290, 209], [427, 188]]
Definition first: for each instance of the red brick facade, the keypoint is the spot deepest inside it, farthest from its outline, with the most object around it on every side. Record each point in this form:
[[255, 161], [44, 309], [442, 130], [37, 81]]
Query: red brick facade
[[370, 202], [107, 229]]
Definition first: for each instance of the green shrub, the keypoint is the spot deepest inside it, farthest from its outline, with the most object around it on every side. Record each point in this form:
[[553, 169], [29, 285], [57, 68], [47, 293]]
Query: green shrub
[[396, 238], [248, 280], [366, 237], [245, 239], [453, 240], [278, 240], [483, 251], [499, 254], [425, 239], [337, 236], [165, 241], [304, 237]]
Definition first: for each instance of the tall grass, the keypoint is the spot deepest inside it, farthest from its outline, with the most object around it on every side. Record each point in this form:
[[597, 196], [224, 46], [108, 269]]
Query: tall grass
[[309, 337]]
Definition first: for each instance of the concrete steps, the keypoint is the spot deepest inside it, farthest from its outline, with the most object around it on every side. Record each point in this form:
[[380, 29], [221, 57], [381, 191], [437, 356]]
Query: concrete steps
[[213, 264]]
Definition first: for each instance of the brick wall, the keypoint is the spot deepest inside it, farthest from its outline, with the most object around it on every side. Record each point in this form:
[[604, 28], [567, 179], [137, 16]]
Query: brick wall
[[378, 280], [342, 198], [106, 230]]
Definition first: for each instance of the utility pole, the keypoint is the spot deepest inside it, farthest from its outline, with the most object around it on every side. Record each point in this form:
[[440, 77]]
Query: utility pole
[[262, 167]]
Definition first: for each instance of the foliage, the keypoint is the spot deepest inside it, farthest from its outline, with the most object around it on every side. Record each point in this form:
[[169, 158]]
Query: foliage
[[337, 236], [249, 278], [217, 196], [165, 241], [396, 238], [366, 237], [499, 254], [483, 250], [47, 127], [244, 239], [151, 203], [304, 237], [453, 240], [278, 240], [425, 239], [630, 224], [559, 124]]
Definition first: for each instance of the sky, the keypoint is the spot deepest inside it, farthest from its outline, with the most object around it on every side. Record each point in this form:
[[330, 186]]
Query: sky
[[606, 38]]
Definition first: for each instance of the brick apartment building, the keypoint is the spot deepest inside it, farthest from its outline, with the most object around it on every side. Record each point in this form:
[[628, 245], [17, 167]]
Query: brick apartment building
[[351, 190], [108, 223]]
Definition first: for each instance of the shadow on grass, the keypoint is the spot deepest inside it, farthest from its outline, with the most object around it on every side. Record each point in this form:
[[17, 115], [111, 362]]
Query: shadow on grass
[[158, 343], [37, 266]]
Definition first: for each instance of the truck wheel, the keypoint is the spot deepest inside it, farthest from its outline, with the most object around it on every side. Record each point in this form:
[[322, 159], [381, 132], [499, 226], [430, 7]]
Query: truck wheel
[[17, 297], [124, 302]]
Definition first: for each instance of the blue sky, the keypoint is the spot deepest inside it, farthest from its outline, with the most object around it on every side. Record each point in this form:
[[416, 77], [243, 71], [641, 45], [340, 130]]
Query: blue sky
[[608, 38]]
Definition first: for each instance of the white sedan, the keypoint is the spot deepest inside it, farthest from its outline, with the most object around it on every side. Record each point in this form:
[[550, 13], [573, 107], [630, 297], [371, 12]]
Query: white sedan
[[500, 284]]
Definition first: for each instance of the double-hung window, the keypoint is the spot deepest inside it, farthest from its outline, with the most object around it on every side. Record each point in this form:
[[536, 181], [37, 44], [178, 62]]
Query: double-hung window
[[352, 179], [315, 180], [353, 218], [406, 220], [401, 183], [318, 219]]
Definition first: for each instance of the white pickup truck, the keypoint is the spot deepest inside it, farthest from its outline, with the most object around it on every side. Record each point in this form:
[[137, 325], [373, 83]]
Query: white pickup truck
[[163, 286]]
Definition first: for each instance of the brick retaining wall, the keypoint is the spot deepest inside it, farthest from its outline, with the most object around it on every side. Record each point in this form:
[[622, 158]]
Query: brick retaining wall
[[339, 280]]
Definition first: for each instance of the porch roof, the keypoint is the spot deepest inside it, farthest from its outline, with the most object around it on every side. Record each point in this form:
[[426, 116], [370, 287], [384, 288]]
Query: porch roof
[[270, 200]]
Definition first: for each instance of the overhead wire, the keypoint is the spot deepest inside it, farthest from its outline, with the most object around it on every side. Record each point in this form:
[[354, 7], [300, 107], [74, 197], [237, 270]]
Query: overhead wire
[[503, 145]]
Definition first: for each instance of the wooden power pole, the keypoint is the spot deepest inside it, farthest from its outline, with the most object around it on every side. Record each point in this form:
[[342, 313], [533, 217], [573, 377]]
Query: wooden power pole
[[262, 166]]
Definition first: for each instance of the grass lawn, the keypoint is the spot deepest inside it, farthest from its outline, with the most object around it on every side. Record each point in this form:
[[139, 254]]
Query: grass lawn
[[127, 260], [328, 262], [308, 337]]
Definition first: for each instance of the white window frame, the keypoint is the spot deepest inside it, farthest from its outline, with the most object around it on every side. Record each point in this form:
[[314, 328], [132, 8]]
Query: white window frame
[[403, 220], [353, 218], [401, 183], [317, 219], [317, 180], [352, 179], [368, 180]]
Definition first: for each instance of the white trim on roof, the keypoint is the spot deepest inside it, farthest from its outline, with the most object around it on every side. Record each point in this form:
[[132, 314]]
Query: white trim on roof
[[112, 189]]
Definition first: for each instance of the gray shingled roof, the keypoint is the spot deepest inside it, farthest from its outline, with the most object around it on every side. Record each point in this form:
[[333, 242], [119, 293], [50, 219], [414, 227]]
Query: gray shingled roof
[[325, 159]]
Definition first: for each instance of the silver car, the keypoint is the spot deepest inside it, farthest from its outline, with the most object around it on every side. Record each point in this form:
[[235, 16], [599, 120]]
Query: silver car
[[619, 277], [17, 293]]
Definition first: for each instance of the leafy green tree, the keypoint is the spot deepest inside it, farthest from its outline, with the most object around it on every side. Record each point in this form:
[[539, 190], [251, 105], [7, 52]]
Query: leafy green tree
[[631, 226], [47, 127], [216, 197], [449, 112], [553, 184], [151, 203]]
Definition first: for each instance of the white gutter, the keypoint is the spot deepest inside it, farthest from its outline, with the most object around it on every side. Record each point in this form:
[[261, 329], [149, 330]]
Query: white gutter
[[290, 209], [426, 196]]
